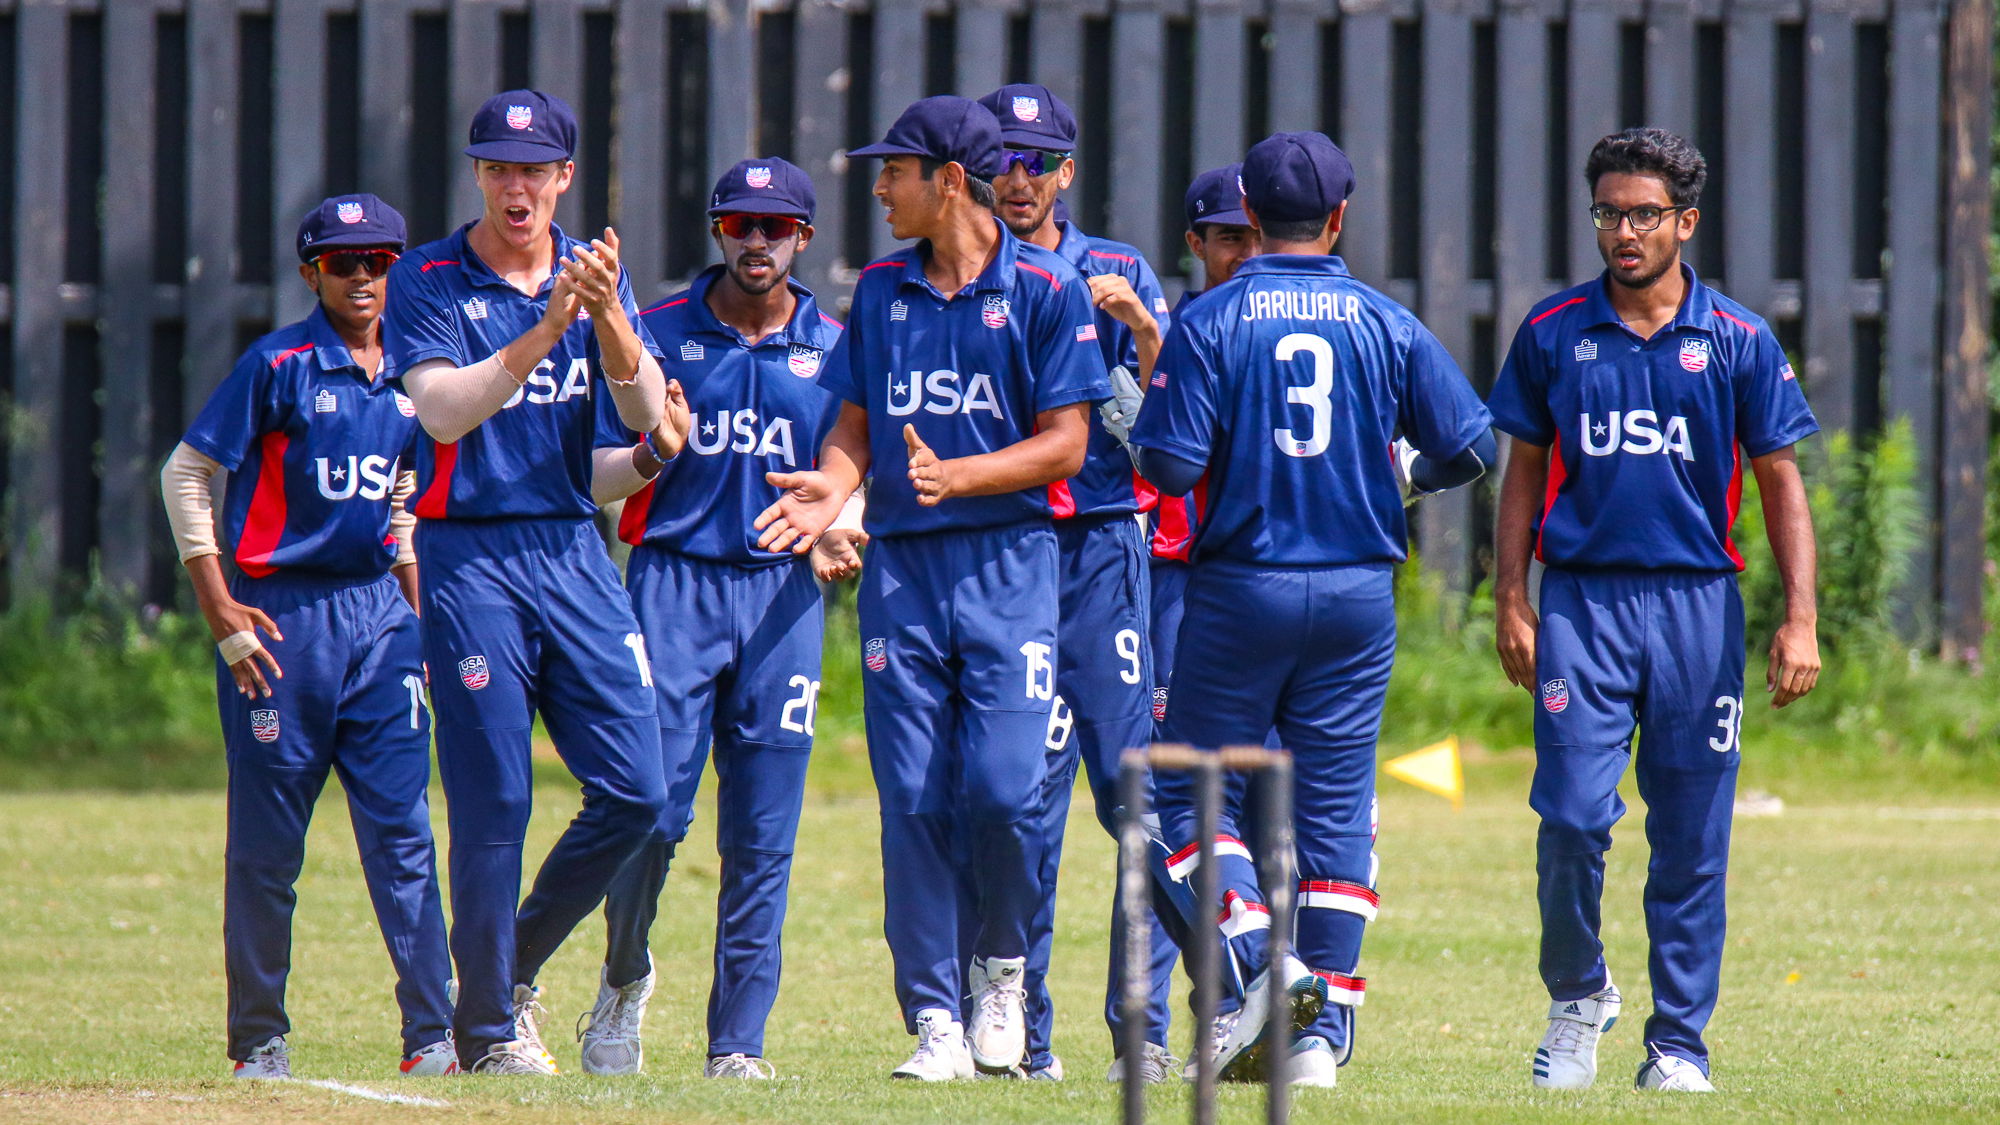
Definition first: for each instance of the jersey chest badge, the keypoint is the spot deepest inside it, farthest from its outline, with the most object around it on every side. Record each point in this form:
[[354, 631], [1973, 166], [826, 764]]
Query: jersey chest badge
[[1555, 696], [875, 654], [994, 313], [1586, 350], [475, 308], [1694, 355], [692, 352], [264, 726], [472, 670], [404, 406], [803, 361], [324, 402]]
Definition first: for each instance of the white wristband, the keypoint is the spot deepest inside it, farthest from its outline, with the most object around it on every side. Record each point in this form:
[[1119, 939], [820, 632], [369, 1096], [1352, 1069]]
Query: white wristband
[[236, 646]]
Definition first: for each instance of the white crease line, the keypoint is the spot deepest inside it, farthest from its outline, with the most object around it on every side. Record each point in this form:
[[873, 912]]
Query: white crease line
[[374, 1095]]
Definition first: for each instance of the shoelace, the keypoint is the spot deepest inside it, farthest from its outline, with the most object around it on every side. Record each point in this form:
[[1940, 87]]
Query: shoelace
[[528, 1017], [993, 1004], [1156, 1065], [272, 1060], [612, 1018], [740, 1065], [507, 1062], [1569, 1036]]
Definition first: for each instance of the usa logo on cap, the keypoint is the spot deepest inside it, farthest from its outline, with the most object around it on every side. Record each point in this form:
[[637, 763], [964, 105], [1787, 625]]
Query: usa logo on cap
[[349, 212], [757, 177], [804, 361], [1555, 696], [473, 671], [1027, 108], [1694, 355], [994, 314], [264, 726], [875, 654], [520, 116]]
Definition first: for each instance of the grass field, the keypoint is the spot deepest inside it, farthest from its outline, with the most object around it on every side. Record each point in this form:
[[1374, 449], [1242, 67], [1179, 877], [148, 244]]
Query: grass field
[[1861, 979]]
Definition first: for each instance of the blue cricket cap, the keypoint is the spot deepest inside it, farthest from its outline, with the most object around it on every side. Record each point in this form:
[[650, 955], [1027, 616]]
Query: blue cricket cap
[[1216, 196], [1032, 117], [345, 221], [1292, 176], [766, 186], [523, 127], [946, 129]]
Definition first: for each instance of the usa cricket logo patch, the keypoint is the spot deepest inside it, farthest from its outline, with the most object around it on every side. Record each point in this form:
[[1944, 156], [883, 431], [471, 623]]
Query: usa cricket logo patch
[[875, 654], [757, 177], [1159, 704], [804, 361], [472, 670], [994, 313], [264, 726], [1555, 696], [1027, 109], [520, 116], [404, 406], [1694, 356], [349, 213]]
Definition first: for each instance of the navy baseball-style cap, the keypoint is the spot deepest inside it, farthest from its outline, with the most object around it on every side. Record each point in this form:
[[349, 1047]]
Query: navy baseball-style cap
[[1292, 176], [349, 220], [765, 186], [523, 127], [1216, 196], [945, 128], [1032, 117]]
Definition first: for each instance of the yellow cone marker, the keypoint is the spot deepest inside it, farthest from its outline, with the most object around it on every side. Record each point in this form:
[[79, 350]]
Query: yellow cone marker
[[1434, 769]]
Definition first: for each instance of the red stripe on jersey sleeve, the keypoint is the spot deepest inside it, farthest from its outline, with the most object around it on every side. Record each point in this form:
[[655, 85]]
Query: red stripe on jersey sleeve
[[265, 524], [1113, 257], [1143, 492], [288, 353], [1053, 283], [429, 266], [1061, 504], [431, 504], [1557, 309], [663, 305], [1170, 529], [1557, 474], [1735, 504], [1739, 320], [632, 521]]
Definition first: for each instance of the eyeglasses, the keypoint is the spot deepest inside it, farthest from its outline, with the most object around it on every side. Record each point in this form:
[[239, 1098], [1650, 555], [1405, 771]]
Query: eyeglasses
[[344, 263], [1643, 218], [738, 226], [1034, 161]]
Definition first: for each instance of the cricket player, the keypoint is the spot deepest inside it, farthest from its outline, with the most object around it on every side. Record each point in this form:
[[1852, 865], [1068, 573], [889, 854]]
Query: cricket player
[[968, 372], [317, 442], [1284, 389], [734, 630], [1104, 675], [521, 347], [1633, 402]]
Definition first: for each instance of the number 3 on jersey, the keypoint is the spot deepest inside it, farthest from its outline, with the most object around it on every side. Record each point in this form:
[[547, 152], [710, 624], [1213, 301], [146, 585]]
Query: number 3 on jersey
[[1316, 396]]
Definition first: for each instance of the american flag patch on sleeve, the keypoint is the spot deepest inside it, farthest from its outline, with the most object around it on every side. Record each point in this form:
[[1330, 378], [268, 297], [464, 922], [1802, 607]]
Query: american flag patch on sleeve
[[1159, 378], [1086, 332]]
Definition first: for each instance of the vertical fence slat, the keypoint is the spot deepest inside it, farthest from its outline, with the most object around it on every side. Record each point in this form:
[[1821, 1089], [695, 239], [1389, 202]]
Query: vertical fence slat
[[386, 115], [475, 76], [1218, 83], [1057, 37], [1139, 42], [1593, 108], [1446, 249], [1829, 252], [820, 135], [638, 205], [298, 143], [732, 49], [1521, 209], [126, 512], [1968, 340], [899, 79], [1910, 306], [1670, 67], [209, 302], [1295, 71], [1365, 35], [1749, 151], [556, 62], [980, 53], [42, 109]]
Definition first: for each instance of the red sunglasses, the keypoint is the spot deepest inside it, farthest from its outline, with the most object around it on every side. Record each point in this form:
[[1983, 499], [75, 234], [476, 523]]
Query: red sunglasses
[[739, 225], [343, 263]]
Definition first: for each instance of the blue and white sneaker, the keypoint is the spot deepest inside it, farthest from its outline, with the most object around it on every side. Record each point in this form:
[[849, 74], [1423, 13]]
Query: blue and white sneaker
[[1314, 1062], [1567, 1058], [1241, 1056], [1673, 1073]]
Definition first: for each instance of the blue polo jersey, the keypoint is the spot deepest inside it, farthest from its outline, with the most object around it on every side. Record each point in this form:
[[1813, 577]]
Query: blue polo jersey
[[970, 372], [1290, 381], [1171, 535], [313, 447], [757, 408], [532, 457], [1646, 438], [1108, 485]]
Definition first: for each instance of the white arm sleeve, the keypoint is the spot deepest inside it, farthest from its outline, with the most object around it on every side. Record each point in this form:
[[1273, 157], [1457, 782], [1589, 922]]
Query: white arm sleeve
[[452, 401], [643, 400], [402, 521], [184, 483], [851, 513], [613, 476]]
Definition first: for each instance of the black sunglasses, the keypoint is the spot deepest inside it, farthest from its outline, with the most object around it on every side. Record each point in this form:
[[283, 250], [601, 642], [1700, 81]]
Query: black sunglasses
[[344, 263], [1034, 161]]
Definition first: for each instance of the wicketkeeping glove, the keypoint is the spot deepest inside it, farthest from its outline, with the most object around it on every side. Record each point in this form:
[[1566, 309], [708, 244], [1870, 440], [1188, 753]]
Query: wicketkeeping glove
[[1404, 455], [1121, 410]]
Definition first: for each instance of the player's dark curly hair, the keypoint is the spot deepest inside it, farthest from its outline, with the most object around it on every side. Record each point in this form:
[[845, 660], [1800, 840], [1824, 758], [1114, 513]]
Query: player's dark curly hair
[[1651, 152], [980, 190]]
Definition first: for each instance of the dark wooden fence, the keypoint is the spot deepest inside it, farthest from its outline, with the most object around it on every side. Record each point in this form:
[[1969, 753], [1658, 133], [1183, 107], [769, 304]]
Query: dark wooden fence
[[162, 151]]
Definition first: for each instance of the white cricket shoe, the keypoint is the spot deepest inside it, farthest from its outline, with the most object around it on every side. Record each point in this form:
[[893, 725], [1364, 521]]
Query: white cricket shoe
[[1240, 1059], [941, 1053], [1567, 1058], [1053, 1072], [1671, 1072], [528, 1017], [272, 1060], [440, 1057], [515, 1056], [740, 1065], [998, 1029], [1218, 1034], [1313, 1063], [609, 1032], [1155, 1064]]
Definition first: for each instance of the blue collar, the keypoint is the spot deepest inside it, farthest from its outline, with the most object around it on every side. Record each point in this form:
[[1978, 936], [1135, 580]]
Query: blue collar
[[477, 272], [705, 320], [1697, 309], [330, 351], [1328, 265], [998, 276], [1074, 247]]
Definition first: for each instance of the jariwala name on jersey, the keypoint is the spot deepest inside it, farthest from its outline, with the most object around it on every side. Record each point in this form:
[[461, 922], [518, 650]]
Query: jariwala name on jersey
[[1635, 431], [368, 477], [541, 388], [738, 431], [940, 393], [1291, 304]]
